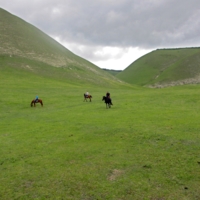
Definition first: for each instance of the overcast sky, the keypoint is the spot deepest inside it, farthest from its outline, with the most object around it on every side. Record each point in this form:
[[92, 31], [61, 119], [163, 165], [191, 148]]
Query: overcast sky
[[113, 33]]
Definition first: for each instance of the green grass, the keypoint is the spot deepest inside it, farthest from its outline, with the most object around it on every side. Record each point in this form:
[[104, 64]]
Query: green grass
[[19, 66], [145, 147], [163, 66]]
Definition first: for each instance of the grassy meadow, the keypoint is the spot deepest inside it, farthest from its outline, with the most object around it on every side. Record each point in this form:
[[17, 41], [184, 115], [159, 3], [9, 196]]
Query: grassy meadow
[[145, 147]]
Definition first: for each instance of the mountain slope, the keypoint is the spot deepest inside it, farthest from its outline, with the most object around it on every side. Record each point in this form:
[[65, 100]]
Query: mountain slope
[[164, 67], [25, 46]]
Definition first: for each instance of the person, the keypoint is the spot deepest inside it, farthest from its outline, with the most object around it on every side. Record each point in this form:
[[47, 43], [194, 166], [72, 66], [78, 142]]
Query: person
[[86, 94], [36, 99], [108, 96]]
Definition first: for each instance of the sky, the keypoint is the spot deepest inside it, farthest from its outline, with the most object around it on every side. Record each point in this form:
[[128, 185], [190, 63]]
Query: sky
[[112, 34]]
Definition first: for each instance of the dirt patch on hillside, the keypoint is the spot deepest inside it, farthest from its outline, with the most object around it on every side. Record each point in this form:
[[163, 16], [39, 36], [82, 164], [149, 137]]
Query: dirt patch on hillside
[[189, 81], [28, 67]]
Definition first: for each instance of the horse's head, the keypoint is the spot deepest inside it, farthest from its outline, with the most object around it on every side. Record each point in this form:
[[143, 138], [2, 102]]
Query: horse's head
[[103, 99]]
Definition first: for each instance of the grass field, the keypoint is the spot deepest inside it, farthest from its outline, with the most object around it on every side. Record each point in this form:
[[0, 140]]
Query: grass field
[[145, 147]]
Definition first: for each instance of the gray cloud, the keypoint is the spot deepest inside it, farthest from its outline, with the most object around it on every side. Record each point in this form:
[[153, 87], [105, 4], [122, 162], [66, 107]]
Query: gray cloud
[[147, 24]]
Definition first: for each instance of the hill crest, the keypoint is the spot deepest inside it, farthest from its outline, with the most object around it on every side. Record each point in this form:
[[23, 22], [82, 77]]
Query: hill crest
[[25, 46], [164, 67]]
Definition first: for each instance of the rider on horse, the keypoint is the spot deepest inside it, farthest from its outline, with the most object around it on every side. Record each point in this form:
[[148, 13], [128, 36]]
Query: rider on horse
[[108, 96], [86, 94], [36, 99]]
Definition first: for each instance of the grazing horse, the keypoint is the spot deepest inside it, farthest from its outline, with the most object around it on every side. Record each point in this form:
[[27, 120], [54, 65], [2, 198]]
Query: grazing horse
[[108, 101], [87, 97], [33, 102]]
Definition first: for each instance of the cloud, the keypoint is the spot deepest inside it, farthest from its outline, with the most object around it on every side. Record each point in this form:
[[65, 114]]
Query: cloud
[[98, 29], [120, 58]]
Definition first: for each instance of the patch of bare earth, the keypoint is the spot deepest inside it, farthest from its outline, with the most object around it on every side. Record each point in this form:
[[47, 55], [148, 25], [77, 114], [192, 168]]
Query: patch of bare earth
[[28, 67], [115, 174], [188, 81]]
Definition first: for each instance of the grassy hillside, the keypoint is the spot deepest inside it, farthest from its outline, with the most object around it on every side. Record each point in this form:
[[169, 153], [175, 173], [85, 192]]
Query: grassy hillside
[[145, 147], [73, 75], [164, 67], [25, 46]]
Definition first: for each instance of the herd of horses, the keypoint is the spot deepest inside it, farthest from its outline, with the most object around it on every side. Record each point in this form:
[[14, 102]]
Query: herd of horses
[[107, 101]]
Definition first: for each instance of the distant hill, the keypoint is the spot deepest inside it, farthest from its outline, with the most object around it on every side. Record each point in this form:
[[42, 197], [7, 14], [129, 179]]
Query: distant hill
[[112, 71], [25, 47], [164, 67]]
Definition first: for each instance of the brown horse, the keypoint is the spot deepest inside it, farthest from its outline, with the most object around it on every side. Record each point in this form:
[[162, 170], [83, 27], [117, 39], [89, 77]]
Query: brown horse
[[33, 102], [87, 97]]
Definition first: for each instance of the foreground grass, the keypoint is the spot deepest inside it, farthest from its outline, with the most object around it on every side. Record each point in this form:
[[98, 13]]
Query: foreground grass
[[145, 147]]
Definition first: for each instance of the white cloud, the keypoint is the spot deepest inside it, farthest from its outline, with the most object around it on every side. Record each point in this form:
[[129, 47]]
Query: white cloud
[[121, 57]]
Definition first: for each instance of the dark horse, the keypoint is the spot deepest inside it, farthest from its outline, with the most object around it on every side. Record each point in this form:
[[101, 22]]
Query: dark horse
[[33, 102], [108, 101], [87, 97]]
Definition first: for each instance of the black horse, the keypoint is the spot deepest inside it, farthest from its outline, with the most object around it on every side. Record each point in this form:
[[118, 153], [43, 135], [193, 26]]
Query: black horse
[[108, 101]]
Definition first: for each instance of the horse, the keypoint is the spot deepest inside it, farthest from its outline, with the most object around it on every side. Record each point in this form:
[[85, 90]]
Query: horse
[[87, 97], [108, 101], [33, 102]]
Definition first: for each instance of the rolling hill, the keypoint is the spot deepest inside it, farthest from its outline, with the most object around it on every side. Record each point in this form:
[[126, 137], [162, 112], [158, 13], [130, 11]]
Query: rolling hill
[[164, 67], [28, 49]]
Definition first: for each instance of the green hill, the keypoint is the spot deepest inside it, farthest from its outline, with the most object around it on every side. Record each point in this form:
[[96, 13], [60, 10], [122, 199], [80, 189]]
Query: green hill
[[164, 67], [26, 48]]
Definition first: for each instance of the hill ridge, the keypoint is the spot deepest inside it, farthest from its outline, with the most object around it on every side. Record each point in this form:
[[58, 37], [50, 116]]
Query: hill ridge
[[23, 44], [164, 67]]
